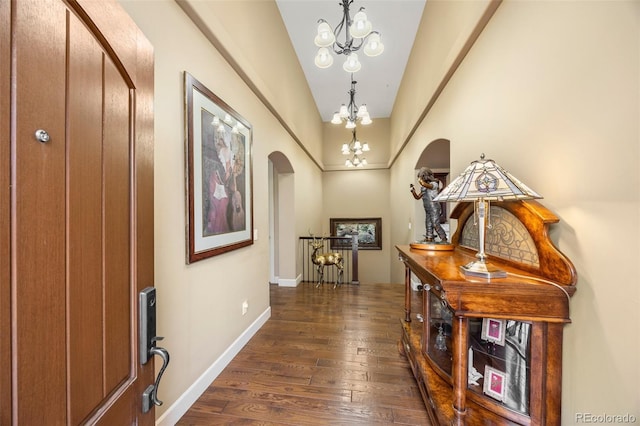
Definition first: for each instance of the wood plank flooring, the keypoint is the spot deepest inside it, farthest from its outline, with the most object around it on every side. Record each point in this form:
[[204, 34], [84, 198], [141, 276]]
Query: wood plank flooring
[[325, 357]]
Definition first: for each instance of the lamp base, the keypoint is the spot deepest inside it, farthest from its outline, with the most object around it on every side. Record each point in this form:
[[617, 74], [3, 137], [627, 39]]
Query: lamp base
[[482, 269]]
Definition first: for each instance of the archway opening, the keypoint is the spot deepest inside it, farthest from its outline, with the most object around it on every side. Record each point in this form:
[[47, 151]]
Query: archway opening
[[282, 239], [435, 156]]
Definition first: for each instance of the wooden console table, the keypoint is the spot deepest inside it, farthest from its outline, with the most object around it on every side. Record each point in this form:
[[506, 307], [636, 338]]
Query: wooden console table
[[489, 352]]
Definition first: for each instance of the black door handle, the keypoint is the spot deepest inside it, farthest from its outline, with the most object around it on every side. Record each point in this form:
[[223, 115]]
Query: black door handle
[[148, 348]]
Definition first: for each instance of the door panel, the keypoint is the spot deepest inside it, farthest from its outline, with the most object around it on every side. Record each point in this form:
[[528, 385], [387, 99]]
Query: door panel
[[81, 226], [84, 222], [38, 214], [5, 205], [117, 224]]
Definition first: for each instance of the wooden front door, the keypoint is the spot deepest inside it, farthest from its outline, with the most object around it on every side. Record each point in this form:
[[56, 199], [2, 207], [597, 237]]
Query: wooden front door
[[76, 236]]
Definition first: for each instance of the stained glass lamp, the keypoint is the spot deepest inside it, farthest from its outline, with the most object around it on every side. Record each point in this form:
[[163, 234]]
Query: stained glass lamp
[[481, 182]]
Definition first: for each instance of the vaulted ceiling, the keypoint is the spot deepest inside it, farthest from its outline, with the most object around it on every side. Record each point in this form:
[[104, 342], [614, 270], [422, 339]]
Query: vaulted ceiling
[[380, 76]]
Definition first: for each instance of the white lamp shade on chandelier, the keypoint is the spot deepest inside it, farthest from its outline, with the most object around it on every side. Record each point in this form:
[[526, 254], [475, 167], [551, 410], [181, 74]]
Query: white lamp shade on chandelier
[[374, 46], [325, 37], [352, 64], [358, 35], [361, 26], [323, 58]]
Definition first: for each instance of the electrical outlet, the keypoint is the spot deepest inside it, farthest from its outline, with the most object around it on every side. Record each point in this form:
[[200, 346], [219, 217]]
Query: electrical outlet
[[245, 307]]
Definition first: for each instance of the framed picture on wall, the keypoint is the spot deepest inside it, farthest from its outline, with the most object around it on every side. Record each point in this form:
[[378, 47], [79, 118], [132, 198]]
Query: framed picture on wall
[[218, 174], [369, 231]]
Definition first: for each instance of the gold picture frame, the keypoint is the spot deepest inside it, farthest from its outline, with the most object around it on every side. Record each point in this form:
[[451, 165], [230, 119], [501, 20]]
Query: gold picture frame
[[219, 180]]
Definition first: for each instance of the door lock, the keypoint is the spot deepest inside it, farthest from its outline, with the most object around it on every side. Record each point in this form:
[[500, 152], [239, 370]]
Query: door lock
[[42, 136], [148, 347]]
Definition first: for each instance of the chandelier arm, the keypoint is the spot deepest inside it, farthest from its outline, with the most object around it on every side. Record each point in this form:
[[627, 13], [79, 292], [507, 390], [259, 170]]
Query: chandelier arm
[[341, 48], [354, 47], [352, 106], [363, 41], [346, 17], [344, 25], [350, 40], [369, 35]]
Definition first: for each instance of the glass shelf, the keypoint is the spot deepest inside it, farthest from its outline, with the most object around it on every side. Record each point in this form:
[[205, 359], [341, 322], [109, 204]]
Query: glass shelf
[[440, 325], [500, 350]]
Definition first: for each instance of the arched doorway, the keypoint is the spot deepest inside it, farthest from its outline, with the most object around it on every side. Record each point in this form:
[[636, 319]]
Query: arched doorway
[[282, 239], [436, 156]]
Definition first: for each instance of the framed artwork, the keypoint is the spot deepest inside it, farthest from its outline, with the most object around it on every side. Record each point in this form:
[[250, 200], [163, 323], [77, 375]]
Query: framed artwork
[[495, 383], [493, 330], [369, 233], [218, 174]]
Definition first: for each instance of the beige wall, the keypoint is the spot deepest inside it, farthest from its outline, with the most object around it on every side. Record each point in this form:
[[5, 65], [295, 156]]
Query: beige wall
[[361, 194], [375, 134], [550, 90], [199, 305], [447, 28], [246, 32]]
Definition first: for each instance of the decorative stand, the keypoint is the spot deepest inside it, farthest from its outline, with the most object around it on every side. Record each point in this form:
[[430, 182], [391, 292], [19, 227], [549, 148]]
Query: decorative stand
[[431, 246]]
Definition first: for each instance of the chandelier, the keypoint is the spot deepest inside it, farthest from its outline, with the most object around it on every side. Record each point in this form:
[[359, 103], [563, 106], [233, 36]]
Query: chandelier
[[355, 149], [351, 112], [357, 33]]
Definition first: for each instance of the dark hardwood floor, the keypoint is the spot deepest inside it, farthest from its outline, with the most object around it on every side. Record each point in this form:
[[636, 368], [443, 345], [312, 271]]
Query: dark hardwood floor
[[325, 357]]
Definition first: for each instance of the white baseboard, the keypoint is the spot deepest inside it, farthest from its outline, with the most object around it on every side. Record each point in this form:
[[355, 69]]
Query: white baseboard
[[283, 282], [191, 395]]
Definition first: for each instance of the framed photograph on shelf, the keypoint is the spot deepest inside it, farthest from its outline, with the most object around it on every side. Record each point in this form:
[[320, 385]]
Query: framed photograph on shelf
[[218, 174], [369, 231], [495, 383], [493, 330]]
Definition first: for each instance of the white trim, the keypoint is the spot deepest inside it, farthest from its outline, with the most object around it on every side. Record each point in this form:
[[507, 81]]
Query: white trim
[[283, 282], [191, 395], [273, 278]]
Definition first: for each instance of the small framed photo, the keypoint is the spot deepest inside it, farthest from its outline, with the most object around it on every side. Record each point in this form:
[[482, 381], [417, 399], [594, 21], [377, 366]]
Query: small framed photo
[[495, 383], [493, 330]]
